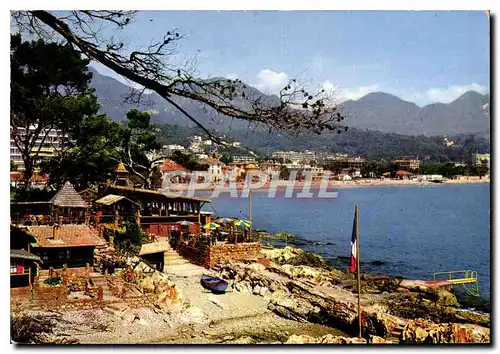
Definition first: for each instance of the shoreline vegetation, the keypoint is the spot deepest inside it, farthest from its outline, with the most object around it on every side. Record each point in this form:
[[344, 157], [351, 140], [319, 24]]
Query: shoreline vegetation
[[288, 296]]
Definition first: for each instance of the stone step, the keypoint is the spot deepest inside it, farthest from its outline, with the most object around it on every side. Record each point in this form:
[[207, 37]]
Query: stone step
[[119, 306], [172, 253], [168, 258], [176, 262], [184, 270]]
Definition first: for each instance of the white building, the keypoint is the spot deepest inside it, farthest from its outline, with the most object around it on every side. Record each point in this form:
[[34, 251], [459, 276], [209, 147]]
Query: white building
[[54, 140], [285, 155], [215, 173], [169, 149], [428, 177], [243, 158], [196, 145], [481, 160], [304, 156]]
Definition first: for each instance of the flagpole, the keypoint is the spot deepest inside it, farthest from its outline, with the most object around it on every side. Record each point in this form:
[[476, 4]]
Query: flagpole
[[358, 269], [250, 213]]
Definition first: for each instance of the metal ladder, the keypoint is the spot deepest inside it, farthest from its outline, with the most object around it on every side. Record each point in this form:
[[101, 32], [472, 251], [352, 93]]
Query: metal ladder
[[467, 279]]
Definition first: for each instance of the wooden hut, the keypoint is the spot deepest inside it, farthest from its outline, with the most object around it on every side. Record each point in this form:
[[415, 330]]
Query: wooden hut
[[113, 205], [69, 204]]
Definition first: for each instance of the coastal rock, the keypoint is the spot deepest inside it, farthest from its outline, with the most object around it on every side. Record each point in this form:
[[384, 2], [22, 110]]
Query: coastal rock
[[424, 331], [147, 285], [445, 298], [379, 340], [328, 339], [293, 308], [442, 309], [466, 316], [296, 256], [301, 271], [256, 290], [244, 340], [263, 291]]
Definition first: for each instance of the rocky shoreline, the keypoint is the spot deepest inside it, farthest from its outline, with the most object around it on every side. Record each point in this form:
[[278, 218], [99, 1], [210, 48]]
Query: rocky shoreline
[[288, 296]]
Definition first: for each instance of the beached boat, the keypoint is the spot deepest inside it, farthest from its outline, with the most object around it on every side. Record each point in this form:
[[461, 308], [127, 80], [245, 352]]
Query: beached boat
[[214, 284]]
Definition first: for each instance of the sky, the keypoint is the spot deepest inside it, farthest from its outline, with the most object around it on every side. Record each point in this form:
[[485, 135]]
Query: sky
[[420, 56]]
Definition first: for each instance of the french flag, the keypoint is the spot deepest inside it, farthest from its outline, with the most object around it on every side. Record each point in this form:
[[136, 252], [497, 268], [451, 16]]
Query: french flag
[[354, 263]]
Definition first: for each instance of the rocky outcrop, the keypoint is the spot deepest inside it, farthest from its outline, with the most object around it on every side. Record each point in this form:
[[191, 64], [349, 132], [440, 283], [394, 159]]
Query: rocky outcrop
[[328, 339], [439, 306], [424, 331], [292, 293], [296, 256], [309, 294]]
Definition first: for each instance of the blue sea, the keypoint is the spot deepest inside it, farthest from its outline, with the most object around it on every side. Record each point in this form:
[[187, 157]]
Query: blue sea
[[409, 231]]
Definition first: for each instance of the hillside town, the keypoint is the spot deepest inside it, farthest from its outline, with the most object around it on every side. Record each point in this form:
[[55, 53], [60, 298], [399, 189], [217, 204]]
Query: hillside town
[[222, 167]]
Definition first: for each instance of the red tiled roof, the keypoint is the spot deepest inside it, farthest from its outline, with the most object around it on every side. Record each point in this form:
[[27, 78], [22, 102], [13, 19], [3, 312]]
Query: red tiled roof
[[169, 166], [210, 160], [402, 173], [68, 236], [18, 176]]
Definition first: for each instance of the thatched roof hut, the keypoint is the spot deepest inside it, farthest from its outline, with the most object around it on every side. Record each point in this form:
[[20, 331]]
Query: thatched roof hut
[[67, 197]]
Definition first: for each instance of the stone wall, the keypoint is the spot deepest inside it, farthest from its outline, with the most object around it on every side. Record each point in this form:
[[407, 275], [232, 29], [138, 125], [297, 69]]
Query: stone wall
[[232, 252], [194, 255], [49, 296], [213, 255], [68, 272], [19, 297]]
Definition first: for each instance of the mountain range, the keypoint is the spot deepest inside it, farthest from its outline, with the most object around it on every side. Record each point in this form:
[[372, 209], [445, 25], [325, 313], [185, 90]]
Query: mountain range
[[376, 111]]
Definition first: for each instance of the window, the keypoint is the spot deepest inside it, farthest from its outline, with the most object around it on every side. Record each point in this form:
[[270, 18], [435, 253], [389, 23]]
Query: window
[[62, 254]]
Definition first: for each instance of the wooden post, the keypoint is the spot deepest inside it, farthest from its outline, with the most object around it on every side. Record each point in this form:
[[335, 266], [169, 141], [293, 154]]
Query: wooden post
[[250, 212], [199, 220], [138, 216], [359, 271], [29, 275]]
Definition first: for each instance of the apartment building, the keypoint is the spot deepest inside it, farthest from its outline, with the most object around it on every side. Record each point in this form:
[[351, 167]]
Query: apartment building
[[481, 160], [53, 141], [407, 162], [243, 158], [306, 156]]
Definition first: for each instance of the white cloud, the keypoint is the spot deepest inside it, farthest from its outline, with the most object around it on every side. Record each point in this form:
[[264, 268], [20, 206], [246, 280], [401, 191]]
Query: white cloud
[[271, 81], [344, 94], [451, 93], [232, 76], [443, 95]]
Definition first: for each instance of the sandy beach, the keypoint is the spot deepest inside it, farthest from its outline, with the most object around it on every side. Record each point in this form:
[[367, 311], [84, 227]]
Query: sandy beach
[[327, 185]]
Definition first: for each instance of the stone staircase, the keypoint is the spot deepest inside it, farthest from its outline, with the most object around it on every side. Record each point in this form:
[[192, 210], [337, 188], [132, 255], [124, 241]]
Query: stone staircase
[[176, 265], [100, 280]]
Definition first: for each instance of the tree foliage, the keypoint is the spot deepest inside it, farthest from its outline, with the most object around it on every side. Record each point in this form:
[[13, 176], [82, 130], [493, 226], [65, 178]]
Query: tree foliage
[[49, 93], [295, 109], [187, 161], [92, 156], [226, 158]]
